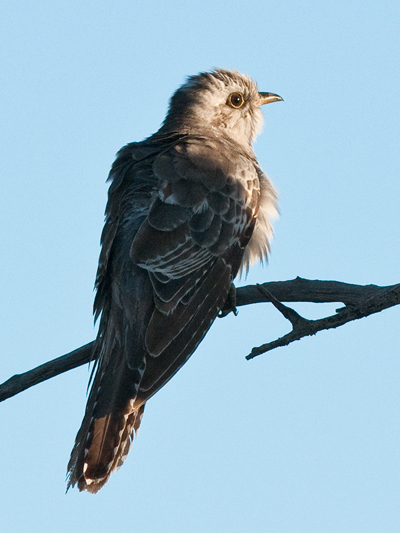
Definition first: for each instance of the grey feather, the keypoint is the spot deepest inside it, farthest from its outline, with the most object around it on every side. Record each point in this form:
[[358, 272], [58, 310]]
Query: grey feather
[[188, 209]]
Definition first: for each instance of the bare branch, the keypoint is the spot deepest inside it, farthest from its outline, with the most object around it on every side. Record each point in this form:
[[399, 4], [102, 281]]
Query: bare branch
[[359, 301], [305, 290], [290, 314], [21, 382], [360, 304]]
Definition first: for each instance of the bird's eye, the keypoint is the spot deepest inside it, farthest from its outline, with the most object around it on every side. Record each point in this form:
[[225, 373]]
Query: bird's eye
[[235, 100]]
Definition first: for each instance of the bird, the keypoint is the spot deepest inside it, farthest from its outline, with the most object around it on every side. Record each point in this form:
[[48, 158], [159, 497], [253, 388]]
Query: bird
[[189, 208]]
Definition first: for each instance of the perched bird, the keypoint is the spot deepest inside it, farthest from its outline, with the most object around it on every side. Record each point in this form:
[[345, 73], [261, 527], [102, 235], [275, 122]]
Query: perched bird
[[188, 209]]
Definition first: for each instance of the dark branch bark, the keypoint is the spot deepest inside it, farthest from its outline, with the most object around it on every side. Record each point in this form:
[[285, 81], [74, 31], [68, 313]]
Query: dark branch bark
[[359, 301], [21, 382]]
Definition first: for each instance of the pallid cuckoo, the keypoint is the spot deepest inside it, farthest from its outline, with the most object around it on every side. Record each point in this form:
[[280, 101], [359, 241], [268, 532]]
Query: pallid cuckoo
[[188, 209]]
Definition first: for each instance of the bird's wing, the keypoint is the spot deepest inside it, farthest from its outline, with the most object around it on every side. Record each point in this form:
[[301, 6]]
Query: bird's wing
[[194, 236], [123, 291], [129, 197], [178, 221]]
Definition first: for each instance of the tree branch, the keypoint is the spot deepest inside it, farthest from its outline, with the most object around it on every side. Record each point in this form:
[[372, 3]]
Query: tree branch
[[21, 382], [373, 300], [359, 301]]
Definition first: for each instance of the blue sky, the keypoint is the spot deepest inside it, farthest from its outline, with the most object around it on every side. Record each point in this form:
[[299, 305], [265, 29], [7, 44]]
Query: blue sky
[[304, 439]]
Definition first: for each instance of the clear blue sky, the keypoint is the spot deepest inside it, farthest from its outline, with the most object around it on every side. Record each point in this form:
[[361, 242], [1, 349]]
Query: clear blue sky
[[305, 439]]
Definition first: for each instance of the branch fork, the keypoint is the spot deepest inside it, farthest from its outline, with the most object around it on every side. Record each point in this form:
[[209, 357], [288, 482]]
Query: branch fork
[[359, 301]]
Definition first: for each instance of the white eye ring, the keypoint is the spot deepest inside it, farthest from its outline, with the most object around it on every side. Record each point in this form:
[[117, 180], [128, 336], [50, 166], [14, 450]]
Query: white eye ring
[[235, 100]]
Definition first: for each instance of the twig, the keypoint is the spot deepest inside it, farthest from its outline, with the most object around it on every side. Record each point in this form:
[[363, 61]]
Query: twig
[[359, 301], [290, 314], [382, 298]]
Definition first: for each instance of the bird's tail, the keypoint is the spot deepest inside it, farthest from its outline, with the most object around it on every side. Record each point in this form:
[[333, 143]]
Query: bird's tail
[[112, 417]]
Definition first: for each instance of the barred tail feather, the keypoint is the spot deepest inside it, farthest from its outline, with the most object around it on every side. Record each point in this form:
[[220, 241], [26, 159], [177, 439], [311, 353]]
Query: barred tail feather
[[108, 449], [112, 418]]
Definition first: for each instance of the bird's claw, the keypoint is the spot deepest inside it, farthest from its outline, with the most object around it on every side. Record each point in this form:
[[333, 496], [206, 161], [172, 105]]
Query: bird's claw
[[230, 303]]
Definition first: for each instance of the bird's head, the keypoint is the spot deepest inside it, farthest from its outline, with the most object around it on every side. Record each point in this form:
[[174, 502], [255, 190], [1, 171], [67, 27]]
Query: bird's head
[[223, 101]]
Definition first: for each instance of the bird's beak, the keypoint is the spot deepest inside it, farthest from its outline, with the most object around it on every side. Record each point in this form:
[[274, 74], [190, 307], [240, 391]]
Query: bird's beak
[[267, 98]]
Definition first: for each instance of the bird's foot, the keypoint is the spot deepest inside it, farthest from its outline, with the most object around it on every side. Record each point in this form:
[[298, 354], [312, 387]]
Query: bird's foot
[[230, 303]]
